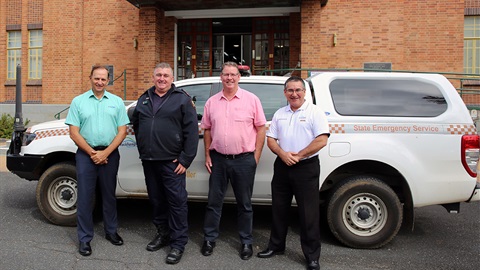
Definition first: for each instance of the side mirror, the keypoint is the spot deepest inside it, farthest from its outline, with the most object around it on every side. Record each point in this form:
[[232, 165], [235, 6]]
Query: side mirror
[[130, 113]]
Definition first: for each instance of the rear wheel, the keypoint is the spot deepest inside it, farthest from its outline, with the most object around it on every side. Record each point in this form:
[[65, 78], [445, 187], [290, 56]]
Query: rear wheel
[[364, 212], [57, 194]]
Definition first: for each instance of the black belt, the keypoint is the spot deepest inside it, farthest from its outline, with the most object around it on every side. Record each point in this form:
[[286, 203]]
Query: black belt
[[99, 148], [234, 156]]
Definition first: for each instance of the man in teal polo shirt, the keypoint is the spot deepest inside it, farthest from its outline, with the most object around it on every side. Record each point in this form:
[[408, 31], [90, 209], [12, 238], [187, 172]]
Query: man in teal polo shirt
[[97, 121]]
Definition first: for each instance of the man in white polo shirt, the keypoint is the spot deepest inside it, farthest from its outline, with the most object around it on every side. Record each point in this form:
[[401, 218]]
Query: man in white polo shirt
[[297, 133]]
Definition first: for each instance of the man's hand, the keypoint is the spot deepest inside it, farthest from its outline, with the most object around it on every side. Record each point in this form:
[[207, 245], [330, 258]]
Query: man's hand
[[180, 169], [290, 158], [99, 157], [208, 164]]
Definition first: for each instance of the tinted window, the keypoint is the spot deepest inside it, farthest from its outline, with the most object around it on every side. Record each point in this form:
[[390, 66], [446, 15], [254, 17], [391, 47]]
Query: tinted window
[[374, 97], [271, 96], [199, 93]]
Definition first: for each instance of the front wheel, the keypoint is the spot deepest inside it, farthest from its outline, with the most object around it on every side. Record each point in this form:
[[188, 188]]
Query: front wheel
[[364, 212], [57, 194]]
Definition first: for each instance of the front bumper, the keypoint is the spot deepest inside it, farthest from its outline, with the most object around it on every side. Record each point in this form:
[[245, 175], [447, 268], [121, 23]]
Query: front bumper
[[27, 167]]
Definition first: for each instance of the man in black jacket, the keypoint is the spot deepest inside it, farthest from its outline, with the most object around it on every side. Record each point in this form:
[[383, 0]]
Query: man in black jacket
[[166, 129]]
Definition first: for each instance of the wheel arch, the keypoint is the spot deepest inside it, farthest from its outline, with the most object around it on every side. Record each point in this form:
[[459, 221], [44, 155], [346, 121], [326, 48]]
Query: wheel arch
[[52, 159], [385, 172]]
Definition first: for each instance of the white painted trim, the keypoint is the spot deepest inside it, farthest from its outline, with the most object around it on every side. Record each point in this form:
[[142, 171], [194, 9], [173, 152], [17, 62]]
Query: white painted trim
[[232, 12]]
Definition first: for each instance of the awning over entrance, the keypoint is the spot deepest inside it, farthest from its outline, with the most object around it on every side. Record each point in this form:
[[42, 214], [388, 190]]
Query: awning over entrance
[[172, 5]]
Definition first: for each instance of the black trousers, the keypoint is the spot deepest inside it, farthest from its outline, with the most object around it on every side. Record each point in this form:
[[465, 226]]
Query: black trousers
[[302, 181], [168, 195]]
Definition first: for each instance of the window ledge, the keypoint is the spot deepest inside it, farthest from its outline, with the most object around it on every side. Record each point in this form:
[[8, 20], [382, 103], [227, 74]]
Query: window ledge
[[34, 82], [471, 83], [10, 82]]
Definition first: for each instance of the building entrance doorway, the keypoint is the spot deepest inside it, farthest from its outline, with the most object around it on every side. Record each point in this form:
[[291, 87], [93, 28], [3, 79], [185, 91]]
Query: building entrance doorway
[[231, 48], [205, 44]]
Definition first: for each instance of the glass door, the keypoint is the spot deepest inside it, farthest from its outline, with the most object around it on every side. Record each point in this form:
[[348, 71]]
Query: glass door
[[271, 48], [194, 47]]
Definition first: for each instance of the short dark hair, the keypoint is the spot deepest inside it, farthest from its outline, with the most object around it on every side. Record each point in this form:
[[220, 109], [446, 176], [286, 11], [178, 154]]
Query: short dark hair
[[294, 79], [230, 64], [95, 67]]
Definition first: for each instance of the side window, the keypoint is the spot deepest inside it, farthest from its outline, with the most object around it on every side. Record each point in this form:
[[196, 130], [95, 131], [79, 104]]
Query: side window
[[199, 93], [271, 96], [390, 98]]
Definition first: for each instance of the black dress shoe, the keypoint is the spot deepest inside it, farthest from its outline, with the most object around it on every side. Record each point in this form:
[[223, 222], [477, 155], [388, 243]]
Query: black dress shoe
[[160, 240], [85, 249], [313, 265], [267, 253], [114, 239], [207, 248], [174, 256], [246, 252]]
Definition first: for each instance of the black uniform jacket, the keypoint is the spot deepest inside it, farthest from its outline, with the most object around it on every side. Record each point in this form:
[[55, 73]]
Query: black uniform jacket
[[171, 132]]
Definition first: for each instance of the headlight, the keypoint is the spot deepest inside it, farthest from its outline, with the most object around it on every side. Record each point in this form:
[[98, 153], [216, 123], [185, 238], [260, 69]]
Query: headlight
[[28, 137]]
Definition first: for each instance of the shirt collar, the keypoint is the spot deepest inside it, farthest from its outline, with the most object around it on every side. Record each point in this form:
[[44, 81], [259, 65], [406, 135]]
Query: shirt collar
[[302, 108], [238, 94], [106, 94]]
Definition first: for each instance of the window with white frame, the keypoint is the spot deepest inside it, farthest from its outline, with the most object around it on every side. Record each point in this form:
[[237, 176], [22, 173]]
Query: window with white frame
[[14, 52], [35, 54], [471, 47]]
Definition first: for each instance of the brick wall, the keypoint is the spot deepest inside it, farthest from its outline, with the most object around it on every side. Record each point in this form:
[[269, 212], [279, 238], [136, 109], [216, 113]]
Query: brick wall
[[412, 35], [76, 35]]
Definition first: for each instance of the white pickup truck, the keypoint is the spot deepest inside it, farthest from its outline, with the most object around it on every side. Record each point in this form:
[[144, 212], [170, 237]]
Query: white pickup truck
[[398, 141]]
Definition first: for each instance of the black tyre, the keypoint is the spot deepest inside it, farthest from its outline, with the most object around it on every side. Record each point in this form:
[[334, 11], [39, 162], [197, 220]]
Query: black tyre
[[57, 194], [364, 212]]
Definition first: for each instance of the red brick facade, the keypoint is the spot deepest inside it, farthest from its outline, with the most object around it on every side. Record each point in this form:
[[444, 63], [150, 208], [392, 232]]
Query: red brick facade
[[411, 35]]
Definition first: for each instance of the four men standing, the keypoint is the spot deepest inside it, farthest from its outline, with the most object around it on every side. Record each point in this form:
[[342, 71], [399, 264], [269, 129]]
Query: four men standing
[[166, 129]]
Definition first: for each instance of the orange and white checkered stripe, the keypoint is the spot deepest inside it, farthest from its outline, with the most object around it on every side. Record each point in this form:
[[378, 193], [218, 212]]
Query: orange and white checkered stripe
[[337, 128], [51, 133], [452, 129], [462, 129]]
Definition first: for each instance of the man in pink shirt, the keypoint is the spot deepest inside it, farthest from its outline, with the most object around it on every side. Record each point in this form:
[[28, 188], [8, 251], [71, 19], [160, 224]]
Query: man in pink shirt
[[234, 135]]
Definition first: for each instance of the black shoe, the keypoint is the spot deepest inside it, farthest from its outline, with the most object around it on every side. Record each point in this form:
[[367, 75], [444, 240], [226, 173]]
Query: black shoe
[[174, 256], [160, 240], [114, 239], [246, 252], [313, 265], [207, 248], [85, 249], [267, 253]]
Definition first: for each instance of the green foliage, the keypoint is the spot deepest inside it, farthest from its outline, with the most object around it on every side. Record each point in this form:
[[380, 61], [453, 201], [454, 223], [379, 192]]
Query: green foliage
[[6, 125]]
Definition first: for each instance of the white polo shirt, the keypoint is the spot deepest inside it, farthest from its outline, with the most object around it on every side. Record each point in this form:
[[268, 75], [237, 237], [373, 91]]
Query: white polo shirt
[[296, 130]]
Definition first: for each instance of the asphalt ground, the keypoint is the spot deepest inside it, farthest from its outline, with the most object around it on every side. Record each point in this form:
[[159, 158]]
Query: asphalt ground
[[27, 241]]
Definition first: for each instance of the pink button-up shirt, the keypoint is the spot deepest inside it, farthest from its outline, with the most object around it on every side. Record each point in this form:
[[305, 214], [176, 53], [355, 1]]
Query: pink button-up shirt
[[233, 123]]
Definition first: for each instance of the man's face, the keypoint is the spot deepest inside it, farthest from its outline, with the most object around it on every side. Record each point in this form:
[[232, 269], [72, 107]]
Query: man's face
[[295, 94], [163, 79], [230, 77], [99, 79]]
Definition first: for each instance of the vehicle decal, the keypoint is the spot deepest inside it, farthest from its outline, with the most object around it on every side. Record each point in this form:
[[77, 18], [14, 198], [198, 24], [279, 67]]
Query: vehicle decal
[[51, 133], [452, 129]]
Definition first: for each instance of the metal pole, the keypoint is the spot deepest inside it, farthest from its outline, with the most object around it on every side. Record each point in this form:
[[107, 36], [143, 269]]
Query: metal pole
[[18, 124]]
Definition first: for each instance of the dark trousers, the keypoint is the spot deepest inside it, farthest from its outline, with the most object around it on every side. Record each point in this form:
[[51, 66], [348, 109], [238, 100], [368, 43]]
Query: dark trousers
[[168, 196], [87, 175], [241, 174], [300, 180]]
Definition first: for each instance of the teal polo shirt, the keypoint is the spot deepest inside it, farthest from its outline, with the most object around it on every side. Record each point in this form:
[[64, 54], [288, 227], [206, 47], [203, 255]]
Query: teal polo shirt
[[98, 119]]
